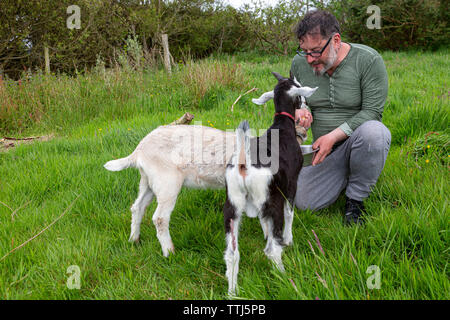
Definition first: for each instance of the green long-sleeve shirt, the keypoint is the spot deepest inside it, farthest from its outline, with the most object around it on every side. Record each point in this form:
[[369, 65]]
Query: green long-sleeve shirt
[[353, 94]]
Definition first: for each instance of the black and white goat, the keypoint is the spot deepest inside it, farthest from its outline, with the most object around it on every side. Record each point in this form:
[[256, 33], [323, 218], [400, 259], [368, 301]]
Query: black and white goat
[[265, 188]]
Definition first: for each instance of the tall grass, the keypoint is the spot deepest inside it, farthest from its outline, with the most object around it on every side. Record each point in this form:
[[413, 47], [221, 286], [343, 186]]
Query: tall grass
[[97, 117]]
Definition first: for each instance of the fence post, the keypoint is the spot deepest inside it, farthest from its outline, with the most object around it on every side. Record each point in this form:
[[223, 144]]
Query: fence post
[[47, 61], [165, 43]]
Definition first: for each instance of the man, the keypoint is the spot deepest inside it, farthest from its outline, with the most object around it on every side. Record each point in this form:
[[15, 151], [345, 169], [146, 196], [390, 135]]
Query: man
[[345, 116]]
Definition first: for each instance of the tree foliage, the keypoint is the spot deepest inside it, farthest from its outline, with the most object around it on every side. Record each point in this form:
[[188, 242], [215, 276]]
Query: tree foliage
[[273, 27], [196, 28], [405, 24]]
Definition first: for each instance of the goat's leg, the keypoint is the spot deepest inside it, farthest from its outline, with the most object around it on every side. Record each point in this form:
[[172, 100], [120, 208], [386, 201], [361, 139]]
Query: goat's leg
[[161, 219], [275, 219], [232, 220], [288, 218], [166, 195], [264, 226], [273, 251], [138, 209]]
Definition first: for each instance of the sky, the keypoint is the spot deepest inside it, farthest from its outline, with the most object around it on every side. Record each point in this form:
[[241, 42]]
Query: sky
[[239, 3]]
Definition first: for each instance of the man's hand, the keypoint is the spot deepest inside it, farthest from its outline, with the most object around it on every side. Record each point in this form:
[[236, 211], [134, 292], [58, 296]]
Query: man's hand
[[304, 117], [326, 143]]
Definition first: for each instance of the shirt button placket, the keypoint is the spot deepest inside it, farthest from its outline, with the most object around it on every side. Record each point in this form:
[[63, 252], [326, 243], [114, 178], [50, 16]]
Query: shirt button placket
[[332, 93]]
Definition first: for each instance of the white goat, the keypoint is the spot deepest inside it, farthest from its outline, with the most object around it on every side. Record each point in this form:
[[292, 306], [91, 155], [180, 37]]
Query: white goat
[[169, 158]]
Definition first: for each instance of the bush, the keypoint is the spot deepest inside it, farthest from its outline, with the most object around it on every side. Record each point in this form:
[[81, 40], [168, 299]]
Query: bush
[[405, 24]]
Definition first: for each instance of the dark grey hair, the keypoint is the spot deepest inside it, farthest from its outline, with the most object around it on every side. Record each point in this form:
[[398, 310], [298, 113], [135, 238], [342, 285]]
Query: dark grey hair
[[317, 22]]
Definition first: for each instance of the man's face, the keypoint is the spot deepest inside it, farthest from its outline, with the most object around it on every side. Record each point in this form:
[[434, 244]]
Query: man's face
[[315, 43]]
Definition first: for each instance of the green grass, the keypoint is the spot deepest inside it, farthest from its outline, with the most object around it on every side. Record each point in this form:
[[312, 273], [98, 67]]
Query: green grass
[[98, 117]]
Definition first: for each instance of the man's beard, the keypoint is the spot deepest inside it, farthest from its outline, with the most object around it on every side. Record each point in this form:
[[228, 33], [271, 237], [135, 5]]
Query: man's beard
[[331, 59]]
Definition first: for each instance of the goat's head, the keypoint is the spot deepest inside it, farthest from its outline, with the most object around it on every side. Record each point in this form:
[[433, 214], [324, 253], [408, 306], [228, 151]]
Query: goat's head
[[286, 94]]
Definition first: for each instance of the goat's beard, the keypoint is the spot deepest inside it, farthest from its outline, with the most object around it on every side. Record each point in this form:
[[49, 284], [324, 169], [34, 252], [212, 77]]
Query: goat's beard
[[328, 63]]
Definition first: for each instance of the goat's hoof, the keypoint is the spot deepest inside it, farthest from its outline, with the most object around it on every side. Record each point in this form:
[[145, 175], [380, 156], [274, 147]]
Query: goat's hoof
[[278, 265], [231, 294], [280, 268], [169, 251], [133, 239]]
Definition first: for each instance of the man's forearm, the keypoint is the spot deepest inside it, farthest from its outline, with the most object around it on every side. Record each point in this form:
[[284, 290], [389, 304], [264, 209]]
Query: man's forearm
[[325, 143], [338, 135]]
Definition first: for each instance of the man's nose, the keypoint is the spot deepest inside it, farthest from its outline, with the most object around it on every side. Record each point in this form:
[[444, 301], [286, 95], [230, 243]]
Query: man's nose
[[310, 59]]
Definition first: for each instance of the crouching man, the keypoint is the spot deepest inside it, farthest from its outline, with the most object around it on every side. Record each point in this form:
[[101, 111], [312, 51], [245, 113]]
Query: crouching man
[[344, 115]]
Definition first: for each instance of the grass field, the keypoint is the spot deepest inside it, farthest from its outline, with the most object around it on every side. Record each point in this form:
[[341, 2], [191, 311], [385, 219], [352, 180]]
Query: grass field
[[103, 115]]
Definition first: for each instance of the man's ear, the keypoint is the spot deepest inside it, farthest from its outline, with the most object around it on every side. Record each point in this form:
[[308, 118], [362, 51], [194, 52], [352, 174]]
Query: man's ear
[[264, 98], [336, 39]]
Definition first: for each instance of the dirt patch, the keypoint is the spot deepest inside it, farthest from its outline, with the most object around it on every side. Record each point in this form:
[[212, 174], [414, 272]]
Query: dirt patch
[[8, 143]]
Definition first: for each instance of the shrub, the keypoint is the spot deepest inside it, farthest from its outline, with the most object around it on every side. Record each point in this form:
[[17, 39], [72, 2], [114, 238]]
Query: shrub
[[405, 24]]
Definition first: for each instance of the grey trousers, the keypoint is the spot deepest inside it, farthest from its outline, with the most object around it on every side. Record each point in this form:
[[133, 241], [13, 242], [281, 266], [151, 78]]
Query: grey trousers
[[355, 165]]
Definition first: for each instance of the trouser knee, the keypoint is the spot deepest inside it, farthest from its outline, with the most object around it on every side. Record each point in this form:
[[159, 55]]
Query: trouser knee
[[375, 135]]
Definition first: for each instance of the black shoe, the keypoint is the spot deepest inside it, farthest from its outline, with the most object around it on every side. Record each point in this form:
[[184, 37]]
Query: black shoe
[[354, 211]]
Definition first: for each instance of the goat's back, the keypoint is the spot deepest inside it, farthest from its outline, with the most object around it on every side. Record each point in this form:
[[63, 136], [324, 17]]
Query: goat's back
[[199, 153]]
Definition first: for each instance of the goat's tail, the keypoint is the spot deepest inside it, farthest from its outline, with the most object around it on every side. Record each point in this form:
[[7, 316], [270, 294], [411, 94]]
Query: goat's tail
[[243, 159], [119, 164]]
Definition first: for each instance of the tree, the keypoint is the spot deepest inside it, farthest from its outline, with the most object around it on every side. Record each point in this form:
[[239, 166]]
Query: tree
[[273, 27]]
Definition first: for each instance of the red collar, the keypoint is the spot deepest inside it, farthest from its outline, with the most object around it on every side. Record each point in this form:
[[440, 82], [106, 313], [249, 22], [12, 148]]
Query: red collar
[[286, 114]]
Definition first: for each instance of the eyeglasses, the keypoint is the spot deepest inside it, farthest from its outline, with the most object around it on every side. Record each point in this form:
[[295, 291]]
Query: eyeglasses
[[314, 54]]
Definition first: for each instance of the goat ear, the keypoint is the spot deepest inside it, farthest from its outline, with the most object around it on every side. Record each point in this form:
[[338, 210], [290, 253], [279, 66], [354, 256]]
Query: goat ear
[[297, 82], [305, 91], [264, 98], [278, 76]]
